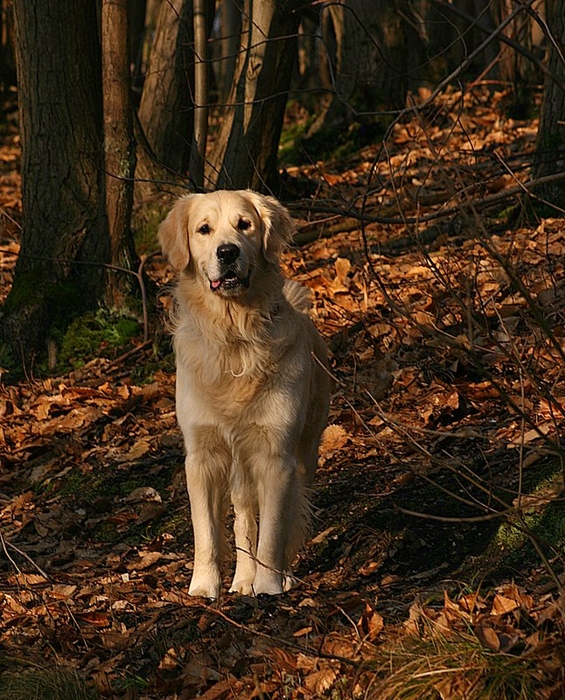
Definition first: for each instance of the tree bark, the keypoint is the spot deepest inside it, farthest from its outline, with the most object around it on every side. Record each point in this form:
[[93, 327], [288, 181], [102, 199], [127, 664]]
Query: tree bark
[[64, 236], [165, 112], [198, 150], [7, 54], [514, 66], [373, 67], [137, 14], [119, 146], [230, 24], [246, 150], [550, 150]]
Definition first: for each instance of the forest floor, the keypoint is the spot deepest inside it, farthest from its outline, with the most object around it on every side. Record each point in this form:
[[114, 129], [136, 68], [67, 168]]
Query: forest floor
[[435, 568]]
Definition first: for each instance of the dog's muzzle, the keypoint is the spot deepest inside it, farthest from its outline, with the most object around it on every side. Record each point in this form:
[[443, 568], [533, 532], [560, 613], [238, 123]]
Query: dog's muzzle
[[230, 280]]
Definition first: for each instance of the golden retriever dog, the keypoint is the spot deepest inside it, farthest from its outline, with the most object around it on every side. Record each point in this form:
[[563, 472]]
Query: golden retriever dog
[[252, 390]]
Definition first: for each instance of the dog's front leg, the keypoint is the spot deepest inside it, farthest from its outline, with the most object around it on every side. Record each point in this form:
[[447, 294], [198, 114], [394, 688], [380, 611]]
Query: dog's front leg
[[245, 530], [206, 513], [207, 464]]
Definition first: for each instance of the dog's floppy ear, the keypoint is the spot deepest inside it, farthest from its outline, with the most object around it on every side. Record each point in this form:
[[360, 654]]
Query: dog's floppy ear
[[173, 234], [278, 226]]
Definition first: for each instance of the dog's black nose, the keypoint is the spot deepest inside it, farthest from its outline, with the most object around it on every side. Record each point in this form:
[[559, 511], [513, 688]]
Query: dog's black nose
[[227, 253]]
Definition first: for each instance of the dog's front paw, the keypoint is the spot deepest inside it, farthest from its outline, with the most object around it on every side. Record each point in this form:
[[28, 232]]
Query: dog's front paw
[[267, 583], [204, 592], [242, 586], [205, 587]]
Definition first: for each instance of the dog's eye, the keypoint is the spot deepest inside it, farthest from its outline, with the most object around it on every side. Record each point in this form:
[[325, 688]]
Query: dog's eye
[[204, 229], [244, 224]]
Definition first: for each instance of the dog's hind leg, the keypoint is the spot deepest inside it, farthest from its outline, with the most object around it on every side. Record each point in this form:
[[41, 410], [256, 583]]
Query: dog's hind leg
[[276, 489]]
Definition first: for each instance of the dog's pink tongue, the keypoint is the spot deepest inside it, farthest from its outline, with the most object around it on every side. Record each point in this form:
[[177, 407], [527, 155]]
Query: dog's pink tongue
[[215, 283]]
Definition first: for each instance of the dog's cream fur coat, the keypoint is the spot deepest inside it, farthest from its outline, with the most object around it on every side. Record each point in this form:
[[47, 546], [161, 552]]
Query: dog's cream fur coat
[[252, 387]]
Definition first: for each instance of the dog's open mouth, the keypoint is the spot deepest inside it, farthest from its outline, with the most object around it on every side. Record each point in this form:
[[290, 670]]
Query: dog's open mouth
[[230, 282]]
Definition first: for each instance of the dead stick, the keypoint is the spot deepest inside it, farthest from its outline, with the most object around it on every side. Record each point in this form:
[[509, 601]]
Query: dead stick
[[5, 546], [526, 187]]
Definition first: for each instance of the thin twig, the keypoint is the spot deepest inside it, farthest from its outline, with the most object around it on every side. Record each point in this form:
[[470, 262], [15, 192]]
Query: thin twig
[[280, 640], [527, 187], [5, 546]]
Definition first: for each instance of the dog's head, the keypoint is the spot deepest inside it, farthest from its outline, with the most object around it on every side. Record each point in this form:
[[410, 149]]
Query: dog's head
[[225, 236]]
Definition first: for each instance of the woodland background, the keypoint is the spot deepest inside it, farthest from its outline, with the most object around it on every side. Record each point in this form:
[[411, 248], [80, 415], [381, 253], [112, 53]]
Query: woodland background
[[419, 145]]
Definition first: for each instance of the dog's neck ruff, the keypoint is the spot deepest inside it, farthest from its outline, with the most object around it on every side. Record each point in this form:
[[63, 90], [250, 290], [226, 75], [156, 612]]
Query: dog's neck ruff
[[236, 340], [219, 319]]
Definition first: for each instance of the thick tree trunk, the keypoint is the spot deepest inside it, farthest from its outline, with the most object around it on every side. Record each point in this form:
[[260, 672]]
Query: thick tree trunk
[[64, 236], [454, 31], [550, 156], [246, 151], [165, 112], [373, 67], [119, 146]]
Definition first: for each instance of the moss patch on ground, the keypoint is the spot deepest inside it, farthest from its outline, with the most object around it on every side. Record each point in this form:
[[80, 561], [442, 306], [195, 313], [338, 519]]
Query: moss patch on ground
[[94, 335]]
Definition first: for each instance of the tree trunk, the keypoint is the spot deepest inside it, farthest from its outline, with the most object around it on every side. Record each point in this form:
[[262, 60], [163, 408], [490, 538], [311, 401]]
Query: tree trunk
[[198, 150], [514, 66], [7, 56], [165, 112], [373, 67], [312, 75], [230, 27], [247, 144], [455, 30], [119, 147], [137, 13], [550, 150], [64, 236]]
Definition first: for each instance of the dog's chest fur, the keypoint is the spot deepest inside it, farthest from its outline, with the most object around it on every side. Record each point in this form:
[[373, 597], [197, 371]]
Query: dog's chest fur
[[218, 374], [230, 367]]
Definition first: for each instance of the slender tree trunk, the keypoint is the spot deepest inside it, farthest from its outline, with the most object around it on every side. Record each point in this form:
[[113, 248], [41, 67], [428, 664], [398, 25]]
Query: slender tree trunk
[[7, 57], [137, 12], [198, 151], [119, 146], [230, 27], [64, 237], [550, 156], [311, 76], [246, 151], [165, 112], [515, 67]]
